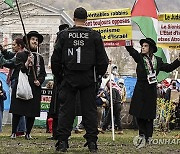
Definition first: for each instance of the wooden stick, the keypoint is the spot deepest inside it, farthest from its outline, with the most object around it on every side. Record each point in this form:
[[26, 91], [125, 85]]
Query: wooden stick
[[27, 43]]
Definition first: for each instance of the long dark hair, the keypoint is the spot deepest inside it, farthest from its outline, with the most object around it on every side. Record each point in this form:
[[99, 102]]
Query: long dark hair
[[19, 41], [151, 51]]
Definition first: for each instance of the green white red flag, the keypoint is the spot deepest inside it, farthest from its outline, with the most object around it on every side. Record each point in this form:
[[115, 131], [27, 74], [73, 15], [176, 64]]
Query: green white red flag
[[144, 14], [9, 2]]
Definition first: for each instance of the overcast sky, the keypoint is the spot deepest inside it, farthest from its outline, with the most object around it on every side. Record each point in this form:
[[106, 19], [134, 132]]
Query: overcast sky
[[163, 5]]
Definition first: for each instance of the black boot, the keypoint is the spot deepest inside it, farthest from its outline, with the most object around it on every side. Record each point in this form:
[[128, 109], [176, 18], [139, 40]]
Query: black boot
[[92, 146], [62, 146]]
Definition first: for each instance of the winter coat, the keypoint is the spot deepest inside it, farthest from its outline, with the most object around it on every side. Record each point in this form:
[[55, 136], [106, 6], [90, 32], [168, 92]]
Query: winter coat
[[29, 108], [54, 105], [143, 103], [79, 73]]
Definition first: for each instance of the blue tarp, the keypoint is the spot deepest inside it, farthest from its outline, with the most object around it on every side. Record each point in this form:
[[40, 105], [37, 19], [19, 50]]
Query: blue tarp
[[129, 84], [6, 87]]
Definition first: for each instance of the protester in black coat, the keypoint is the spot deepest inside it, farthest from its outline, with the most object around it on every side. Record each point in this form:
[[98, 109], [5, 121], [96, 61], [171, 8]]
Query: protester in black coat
[[29, 108], [54, 105], [18, 45], [116, 98], [143, 104]]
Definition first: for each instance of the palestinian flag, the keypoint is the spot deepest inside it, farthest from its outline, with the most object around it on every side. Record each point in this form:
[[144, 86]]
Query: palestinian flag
[[144, 14], [9, 2]]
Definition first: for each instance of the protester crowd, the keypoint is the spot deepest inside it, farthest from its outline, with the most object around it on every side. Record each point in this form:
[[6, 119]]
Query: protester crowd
[[79, 65]]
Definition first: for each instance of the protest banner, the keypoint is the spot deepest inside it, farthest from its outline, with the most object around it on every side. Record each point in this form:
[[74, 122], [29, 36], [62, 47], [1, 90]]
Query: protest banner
[[114, 25], [46, 95], [169, 31]]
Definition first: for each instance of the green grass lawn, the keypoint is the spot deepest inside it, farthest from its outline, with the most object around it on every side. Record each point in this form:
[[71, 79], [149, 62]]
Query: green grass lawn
[[122, 144]]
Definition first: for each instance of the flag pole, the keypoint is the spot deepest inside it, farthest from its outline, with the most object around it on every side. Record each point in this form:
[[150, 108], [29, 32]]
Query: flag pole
[[133, 6], [156, 6], [23, 26], [27, 43], [111, 100]]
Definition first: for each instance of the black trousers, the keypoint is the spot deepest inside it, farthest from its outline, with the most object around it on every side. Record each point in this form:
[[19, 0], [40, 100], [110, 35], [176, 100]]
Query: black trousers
[[145, 127], [54, 127], [67, 98], [29, 123], [116, 112]]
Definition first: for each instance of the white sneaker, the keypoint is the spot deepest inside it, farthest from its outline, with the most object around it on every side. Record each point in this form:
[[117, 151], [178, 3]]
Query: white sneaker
[[13, 136]]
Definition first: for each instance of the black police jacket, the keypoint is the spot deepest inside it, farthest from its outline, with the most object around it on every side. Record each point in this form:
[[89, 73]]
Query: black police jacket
[[76, 52]]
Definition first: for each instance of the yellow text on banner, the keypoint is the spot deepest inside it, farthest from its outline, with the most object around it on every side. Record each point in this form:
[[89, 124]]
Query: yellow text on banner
[[169, 46], [169, 17], [100, 14], [115, 33]]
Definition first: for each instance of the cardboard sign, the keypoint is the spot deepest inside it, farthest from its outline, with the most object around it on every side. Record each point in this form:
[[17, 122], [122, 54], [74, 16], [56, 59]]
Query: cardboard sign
[[46, 95], [175, 96]]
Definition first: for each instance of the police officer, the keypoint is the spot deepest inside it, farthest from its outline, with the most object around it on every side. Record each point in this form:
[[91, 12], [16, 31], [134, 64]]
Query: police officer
[[62, 27], [77, 52], [54, 105]]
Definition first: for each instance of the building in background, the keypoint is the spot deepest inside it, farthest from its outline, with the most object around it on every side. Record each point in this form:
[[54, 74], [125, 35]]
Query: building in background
[[36, 16]]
